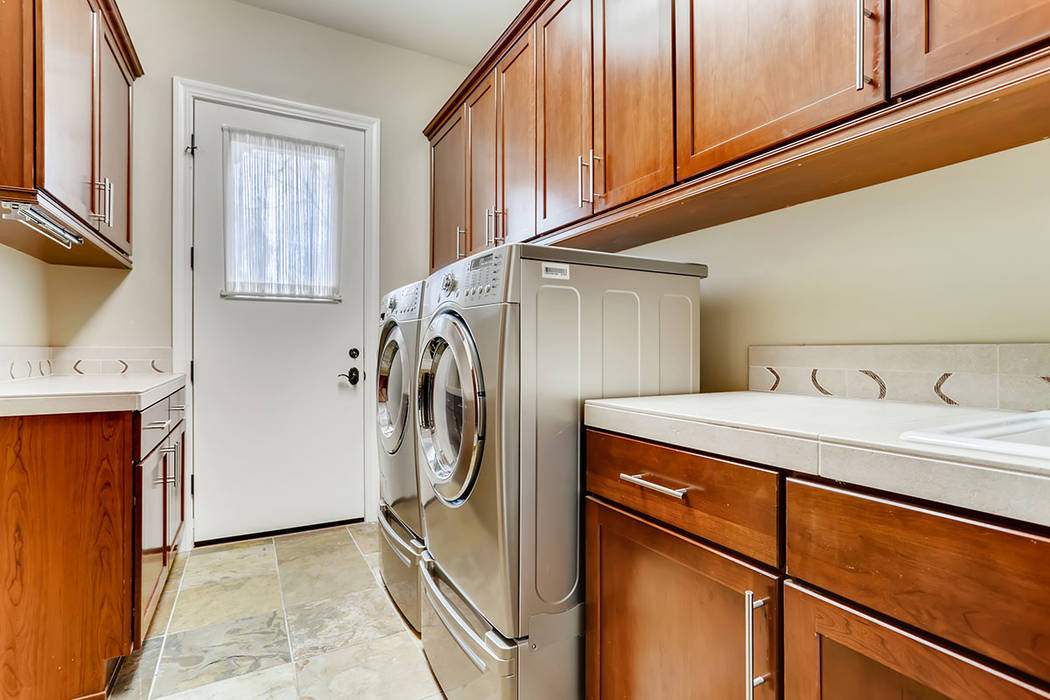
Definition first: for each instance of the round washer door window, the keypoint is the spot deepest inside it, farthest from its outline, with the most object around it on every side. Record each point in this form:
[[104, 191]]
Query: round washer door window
[[393, 388], [451, 415]]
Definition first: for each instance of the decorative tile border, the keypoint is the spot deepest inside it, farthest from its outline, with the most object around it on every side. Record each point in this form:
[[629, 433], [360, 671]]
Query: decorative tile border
[[28, 362], [1013, 376]]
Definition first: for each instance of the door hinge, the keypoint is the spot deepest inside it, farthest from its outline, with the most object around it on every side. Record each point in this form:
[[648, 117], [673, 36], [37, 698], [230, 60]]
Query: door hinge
[[192, 477], [192, 148], [191, 371], [192, 252]]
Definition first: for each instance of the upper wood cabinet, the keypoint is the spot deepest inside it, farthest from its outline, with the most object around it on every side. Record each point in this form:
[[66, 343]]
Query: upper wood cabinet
[[668, 617], [481, 165], [754, 73], [832, 651], [69, 35], [113, 178], [934, 39], [65, 149], [634, 131], [564, 125], [516, 142], [448, 185]]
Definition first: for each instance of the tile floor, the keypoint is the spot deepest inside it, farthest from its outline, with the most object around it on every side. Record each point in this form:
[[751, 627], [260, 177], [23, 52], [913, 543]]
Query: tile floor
[[298, 616]]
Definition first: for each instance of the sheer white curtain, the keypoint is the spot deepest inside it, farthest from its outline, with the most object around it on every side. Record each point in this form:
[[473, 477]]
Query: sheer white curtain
[[283, 212]]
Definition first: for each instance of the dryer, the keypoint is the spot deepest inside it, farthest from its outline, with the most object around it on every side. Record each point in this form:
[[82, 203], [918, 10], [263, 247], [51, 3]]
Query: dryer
[[517, 338], [400, 515]]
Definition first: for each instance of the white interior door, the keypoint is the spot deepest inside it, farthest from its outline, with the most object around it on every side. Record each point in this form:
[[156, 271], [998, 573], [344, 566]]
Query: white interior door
[[278, 433]]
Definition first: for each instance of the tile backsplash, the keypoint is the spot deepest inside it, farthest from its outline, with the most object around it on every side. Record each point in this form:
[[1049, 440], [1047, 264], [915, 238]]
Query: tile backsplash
[[27, 362], [1013, 376]]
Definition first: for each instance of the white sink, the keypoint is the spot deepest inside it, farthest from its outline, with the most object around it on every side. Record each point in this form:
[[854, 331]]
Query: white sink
[[1024, 435]]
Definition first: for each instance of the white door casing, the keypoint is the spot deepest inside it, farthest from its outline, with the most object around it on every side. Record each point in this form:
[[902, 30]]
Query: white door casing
[[296, 441]]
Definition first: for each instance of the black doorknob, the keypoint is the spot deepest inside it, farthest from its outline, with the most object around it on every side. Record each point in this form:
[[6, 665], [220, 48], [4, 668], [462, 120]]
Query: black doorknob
[[354, 353], [353, 375]]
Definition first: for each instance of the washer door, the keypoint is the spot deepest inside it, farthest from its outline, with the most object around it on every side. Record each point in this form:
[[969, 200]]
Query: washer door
[[393, 388], [451, 403]]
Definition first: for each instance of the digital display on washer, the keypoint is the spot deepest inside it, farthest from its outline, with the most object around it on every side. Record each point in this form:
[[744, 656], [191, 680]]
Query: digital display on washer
[[480, 262]]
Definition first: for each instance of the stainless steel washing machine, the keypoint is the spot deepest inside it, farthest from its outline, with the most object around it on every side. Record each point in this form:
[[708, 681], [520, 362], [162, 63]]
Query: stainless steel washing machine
[[517, 338], [400, 514]]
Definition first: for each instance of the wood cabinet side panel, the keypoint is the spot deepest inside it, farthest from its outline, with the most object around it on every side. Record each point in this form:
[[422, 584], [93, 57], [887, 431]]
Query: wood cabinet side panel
[[17, 91], [64, 559]]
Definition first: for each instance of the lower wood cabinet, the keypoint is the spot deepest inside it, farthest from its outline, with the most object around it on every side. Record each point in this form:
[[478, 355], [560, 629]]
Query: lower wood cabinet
[[877, 598], [832, 651], [668, 617]]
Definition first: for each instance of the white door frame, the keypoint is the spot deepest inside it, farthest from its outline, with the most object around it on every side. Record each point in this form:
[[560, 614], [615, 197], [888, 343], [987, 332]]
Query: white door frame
[[184, 93]]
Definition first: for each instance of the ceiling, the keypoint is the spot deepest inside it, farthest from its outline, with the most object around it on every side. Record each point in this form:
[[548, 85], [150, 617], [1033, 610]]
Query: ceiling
[[456, 30]]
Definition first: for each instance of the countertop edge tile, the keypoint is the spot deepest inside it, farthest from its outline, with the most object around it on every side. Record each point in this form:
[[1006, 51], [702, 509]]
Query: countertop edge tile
[[855, 442], [784, 451], [86, 394]]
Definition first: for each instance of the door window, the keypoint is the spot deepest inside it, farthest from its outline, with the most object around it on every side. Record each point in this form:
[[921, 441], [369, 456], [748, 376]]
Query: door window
[[282, 214]]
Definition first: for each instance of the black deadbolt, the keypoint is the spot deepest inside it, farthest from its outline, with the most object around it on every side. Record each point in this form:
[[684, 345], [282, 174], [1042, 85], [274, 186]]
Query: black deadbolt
[[354, 353]]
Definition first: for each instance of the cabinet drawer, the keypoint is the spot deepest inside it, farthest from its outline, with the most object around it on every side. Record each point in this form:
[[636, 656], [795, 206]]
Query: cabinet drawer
[[154, 425], [982, 586], [177, 406], [731, 504]]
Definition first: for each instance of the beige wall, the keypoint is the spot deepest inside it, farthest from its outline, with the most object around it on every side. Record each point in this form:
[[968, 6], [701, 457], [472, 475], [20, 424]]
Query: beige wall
[[23, 299], [242, 47], [960, 254]]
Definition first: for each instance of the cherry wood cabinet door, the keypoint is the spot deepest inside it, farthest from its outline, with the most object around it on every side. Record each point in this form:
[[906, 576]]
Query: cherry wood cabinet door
[[668, 617], [934, 39], [481, 165], [634, 130], [564, 126], [114, 129], [832, 651], [66, 103], [448, 184], [516, 142], [755, 73]]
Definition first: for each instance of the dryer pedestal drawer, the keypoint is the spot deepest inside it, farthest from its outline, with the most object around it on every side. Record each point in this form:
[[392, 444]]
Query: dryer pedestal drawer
[[727, 503]]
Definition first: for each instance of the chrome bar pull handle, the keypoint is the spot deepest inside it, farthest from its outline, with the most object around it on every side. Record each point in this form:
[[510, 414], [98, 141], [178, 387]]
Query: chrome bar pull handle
[[109, 202], [101, 200], [591, 169], [498, 216], [579, 182], [750, 606], [637, 480], [157, 425], [460, 232], [863, 14], [490, 228]]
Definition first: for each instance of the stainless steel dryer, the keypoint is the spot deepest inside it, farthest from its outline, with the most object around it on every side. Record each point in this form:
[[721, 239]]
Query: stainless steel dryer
[[518, 337], [400, 515]]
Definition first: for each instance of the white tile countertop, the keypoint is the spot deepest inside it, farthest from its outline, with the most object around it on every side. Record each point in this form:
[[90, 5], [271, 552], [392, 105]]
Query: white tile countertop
[[855, 441], [86, 393]]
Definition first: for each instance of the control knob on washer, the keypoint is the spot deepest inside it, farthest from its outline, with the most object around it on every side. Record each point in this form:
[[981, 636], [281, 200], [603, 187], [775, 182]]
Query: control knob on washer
[[448, 282]]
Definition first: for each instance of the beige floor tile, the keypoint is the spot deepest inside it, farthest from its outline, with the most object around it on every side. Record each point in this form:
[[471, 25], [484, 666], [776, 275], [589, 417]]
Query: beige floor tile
[[136, 675], [227, 600], [307, 544], [159, 625], [275, 683], [215, 566], [391, 668], [227, 546], [224, 650], [326, 574], [367, 537], [326, 625]]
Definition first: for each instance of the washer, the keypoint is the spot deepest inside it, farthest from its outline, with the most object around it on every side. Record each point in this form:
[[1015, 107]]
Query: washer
[[517, 338], [400, 514]]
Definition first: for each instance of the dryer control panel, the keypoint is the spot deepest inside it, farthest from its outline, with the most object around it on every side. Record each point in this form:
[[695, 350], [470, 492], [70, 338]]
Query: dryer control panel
[[402, 304], [474, 281]]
